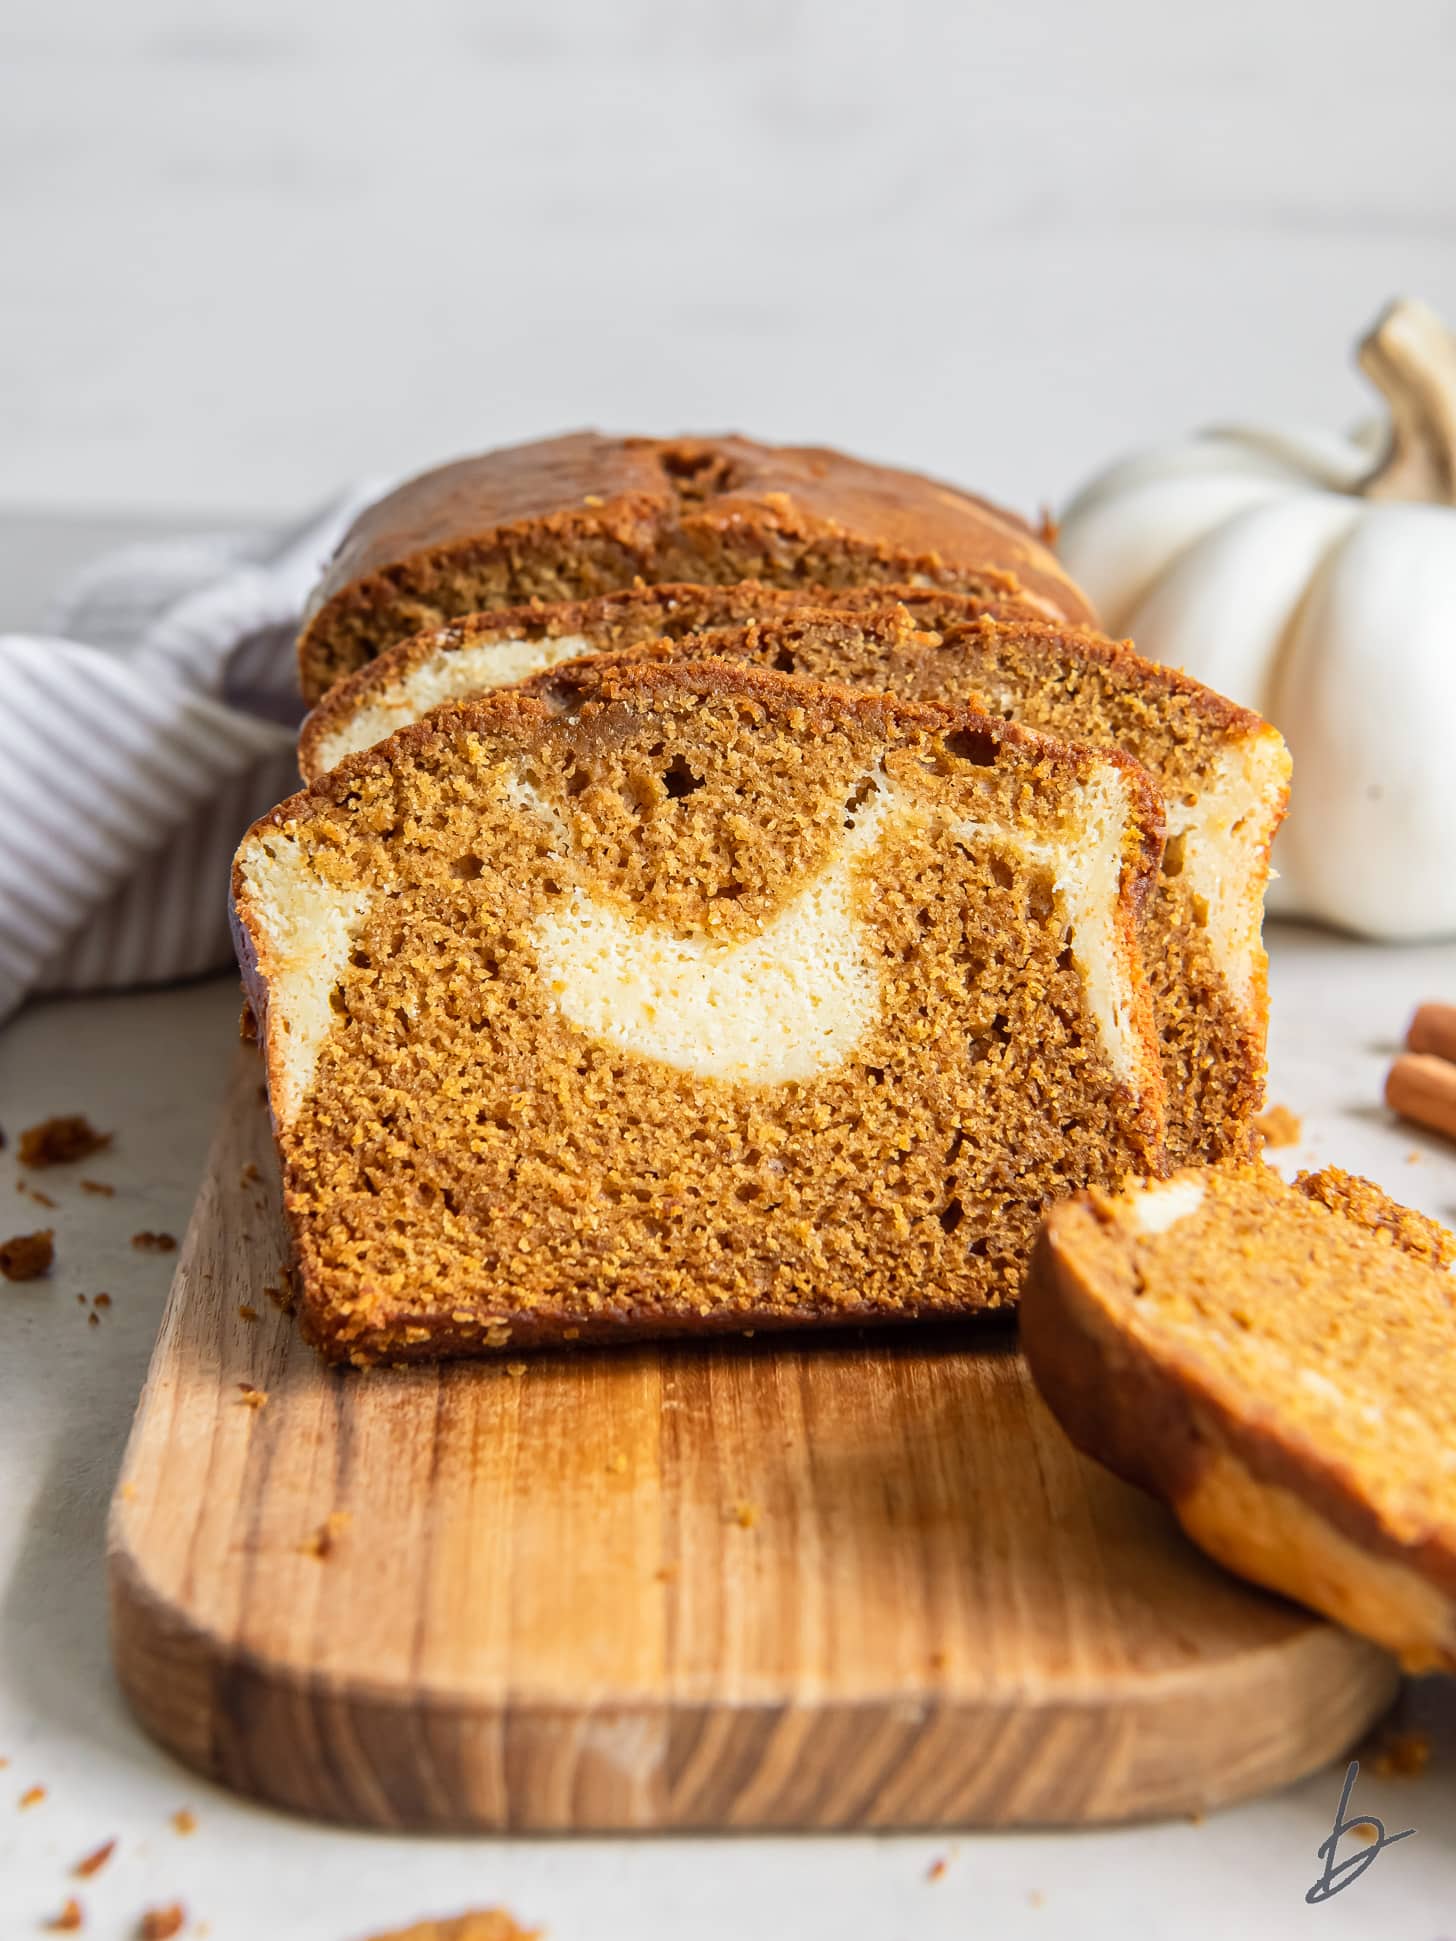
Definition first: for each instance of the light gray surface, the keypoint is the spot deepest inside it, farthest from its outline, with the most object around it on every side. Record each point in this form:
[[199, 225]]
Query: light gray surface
[[251, 251], [151, 1067]]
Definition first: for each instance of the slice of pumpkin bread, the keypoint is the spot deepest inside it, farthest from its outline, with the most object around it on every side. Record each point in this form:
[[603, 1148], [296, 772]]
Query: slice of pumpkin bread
[[1224, 772], [1273, 1360], [484, 651], [567, 518], [681, 997]]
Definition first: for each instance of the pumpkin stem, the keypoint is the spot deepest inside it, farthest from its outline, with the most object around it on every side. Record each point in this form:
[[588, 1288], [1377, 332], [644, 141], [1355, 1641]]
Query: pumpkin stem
[[1410, 356]]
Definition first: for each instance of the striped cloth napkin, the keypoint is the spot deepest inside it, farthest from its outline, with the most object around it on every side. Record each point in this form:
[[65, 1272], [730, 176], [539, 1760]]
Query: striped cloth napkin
[[138, 740]]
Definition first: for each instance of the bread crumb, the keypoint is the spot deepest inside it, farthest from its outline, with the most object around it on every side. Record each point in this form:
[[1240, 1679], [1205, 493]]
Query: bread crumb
[[1400, 1753], [1036, 1898], [936, 1870], [516, 1368], [616, 1463], [147, 1242], [745, 1515], [127, 1492], [252, 1398], [497, 1334], [247, 1313], [32, 1796], [250, 1175], [938, 1661], [58, 1142], [93, 1320], [68, 1920], [161, 1923], [666, 1573], [184, 1821], [95, 1860], [1278, 1126], [484, 1924], [26, 1256], [1413, 1158], [100, 1186], [34, 1193], [325, 1538], [101, 1300]]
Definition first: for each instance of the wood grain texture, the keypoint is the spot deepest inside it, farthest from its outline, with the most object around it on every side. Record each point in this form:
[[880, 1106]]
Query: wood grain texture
[[850, 1583]]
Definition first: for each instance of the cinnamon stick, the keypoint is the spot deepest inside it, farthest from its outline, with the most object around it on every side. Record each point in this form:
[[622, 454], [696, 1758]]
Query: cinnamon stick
[[1433, 1030], [1423, 1088]]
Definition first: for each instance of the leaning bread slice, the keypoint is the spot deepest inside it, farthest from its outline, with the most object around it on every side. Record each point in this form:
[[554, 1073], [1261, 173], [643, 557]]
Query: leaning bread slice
[[674, 998], [1275, 1361], [485, 651], [1224, 772]]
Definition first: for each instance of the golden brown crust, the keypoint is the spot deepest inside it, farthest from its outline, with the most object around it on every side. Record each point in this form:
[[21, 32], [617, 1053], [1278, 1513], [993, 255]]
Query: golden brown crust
[[583, 514], [582, 701], [1248, 1480]]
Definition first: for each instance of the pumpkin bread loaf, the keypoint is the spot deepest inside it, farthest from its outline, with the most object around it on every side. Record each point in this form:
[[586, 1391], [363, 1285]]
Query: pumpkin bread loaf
[[1274, 1361], [566, 518], [683, 997], [1223, 771]]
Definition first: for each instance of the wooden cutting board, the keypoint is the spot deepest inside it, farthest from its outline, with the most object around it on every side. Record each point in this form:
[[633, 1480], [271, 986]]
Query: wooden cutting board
[[834, 1583]]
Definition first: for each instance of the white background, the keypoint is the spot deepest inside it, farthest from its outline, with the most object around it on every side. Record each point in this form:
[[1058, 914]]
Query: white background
[[246, 250]]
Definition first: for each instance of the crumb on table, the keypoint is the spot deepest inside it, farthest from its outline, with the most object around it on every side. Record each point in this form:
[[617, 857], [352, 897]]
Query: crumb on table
[[937, 1869], [745, 1515], [1278, 1126], [94, 1861], [184, 1820], [26, 1256], [60, 1141], [483, 1924], [247, 1313], [32, 1796], [252, 1398], [147, 1242], [68, 1920], [98, 1186], [161, 1923]]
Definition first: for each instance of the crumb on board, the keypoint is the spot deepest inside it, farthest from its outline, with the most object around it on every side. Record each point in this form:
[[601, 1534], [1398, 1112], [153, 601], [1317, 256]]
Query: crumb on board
[[93, 1862], [250, 1175], [745, 1515], [184, 1821], [100, 1186], [147, 1242], [1036, 1898], [247, 1312], [324, 1540], [665, 1573], [1278, 1126], [93, 1320], [32, 1796], [161, 1923], [616, 1463], [516, 1368], [937, 1869], [34, 1193], [1413, 1158], [1400, 1753], [127, 1492], [101, 1300], [60, 1141], [68, 1920], [26, 1256], [252, 1398]]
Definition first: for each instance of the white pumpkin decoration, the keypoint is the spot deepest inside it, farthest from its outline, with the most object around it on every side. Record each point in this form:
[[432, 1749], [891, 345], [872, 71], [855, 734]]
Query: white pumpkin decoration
[[1313, 577]]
